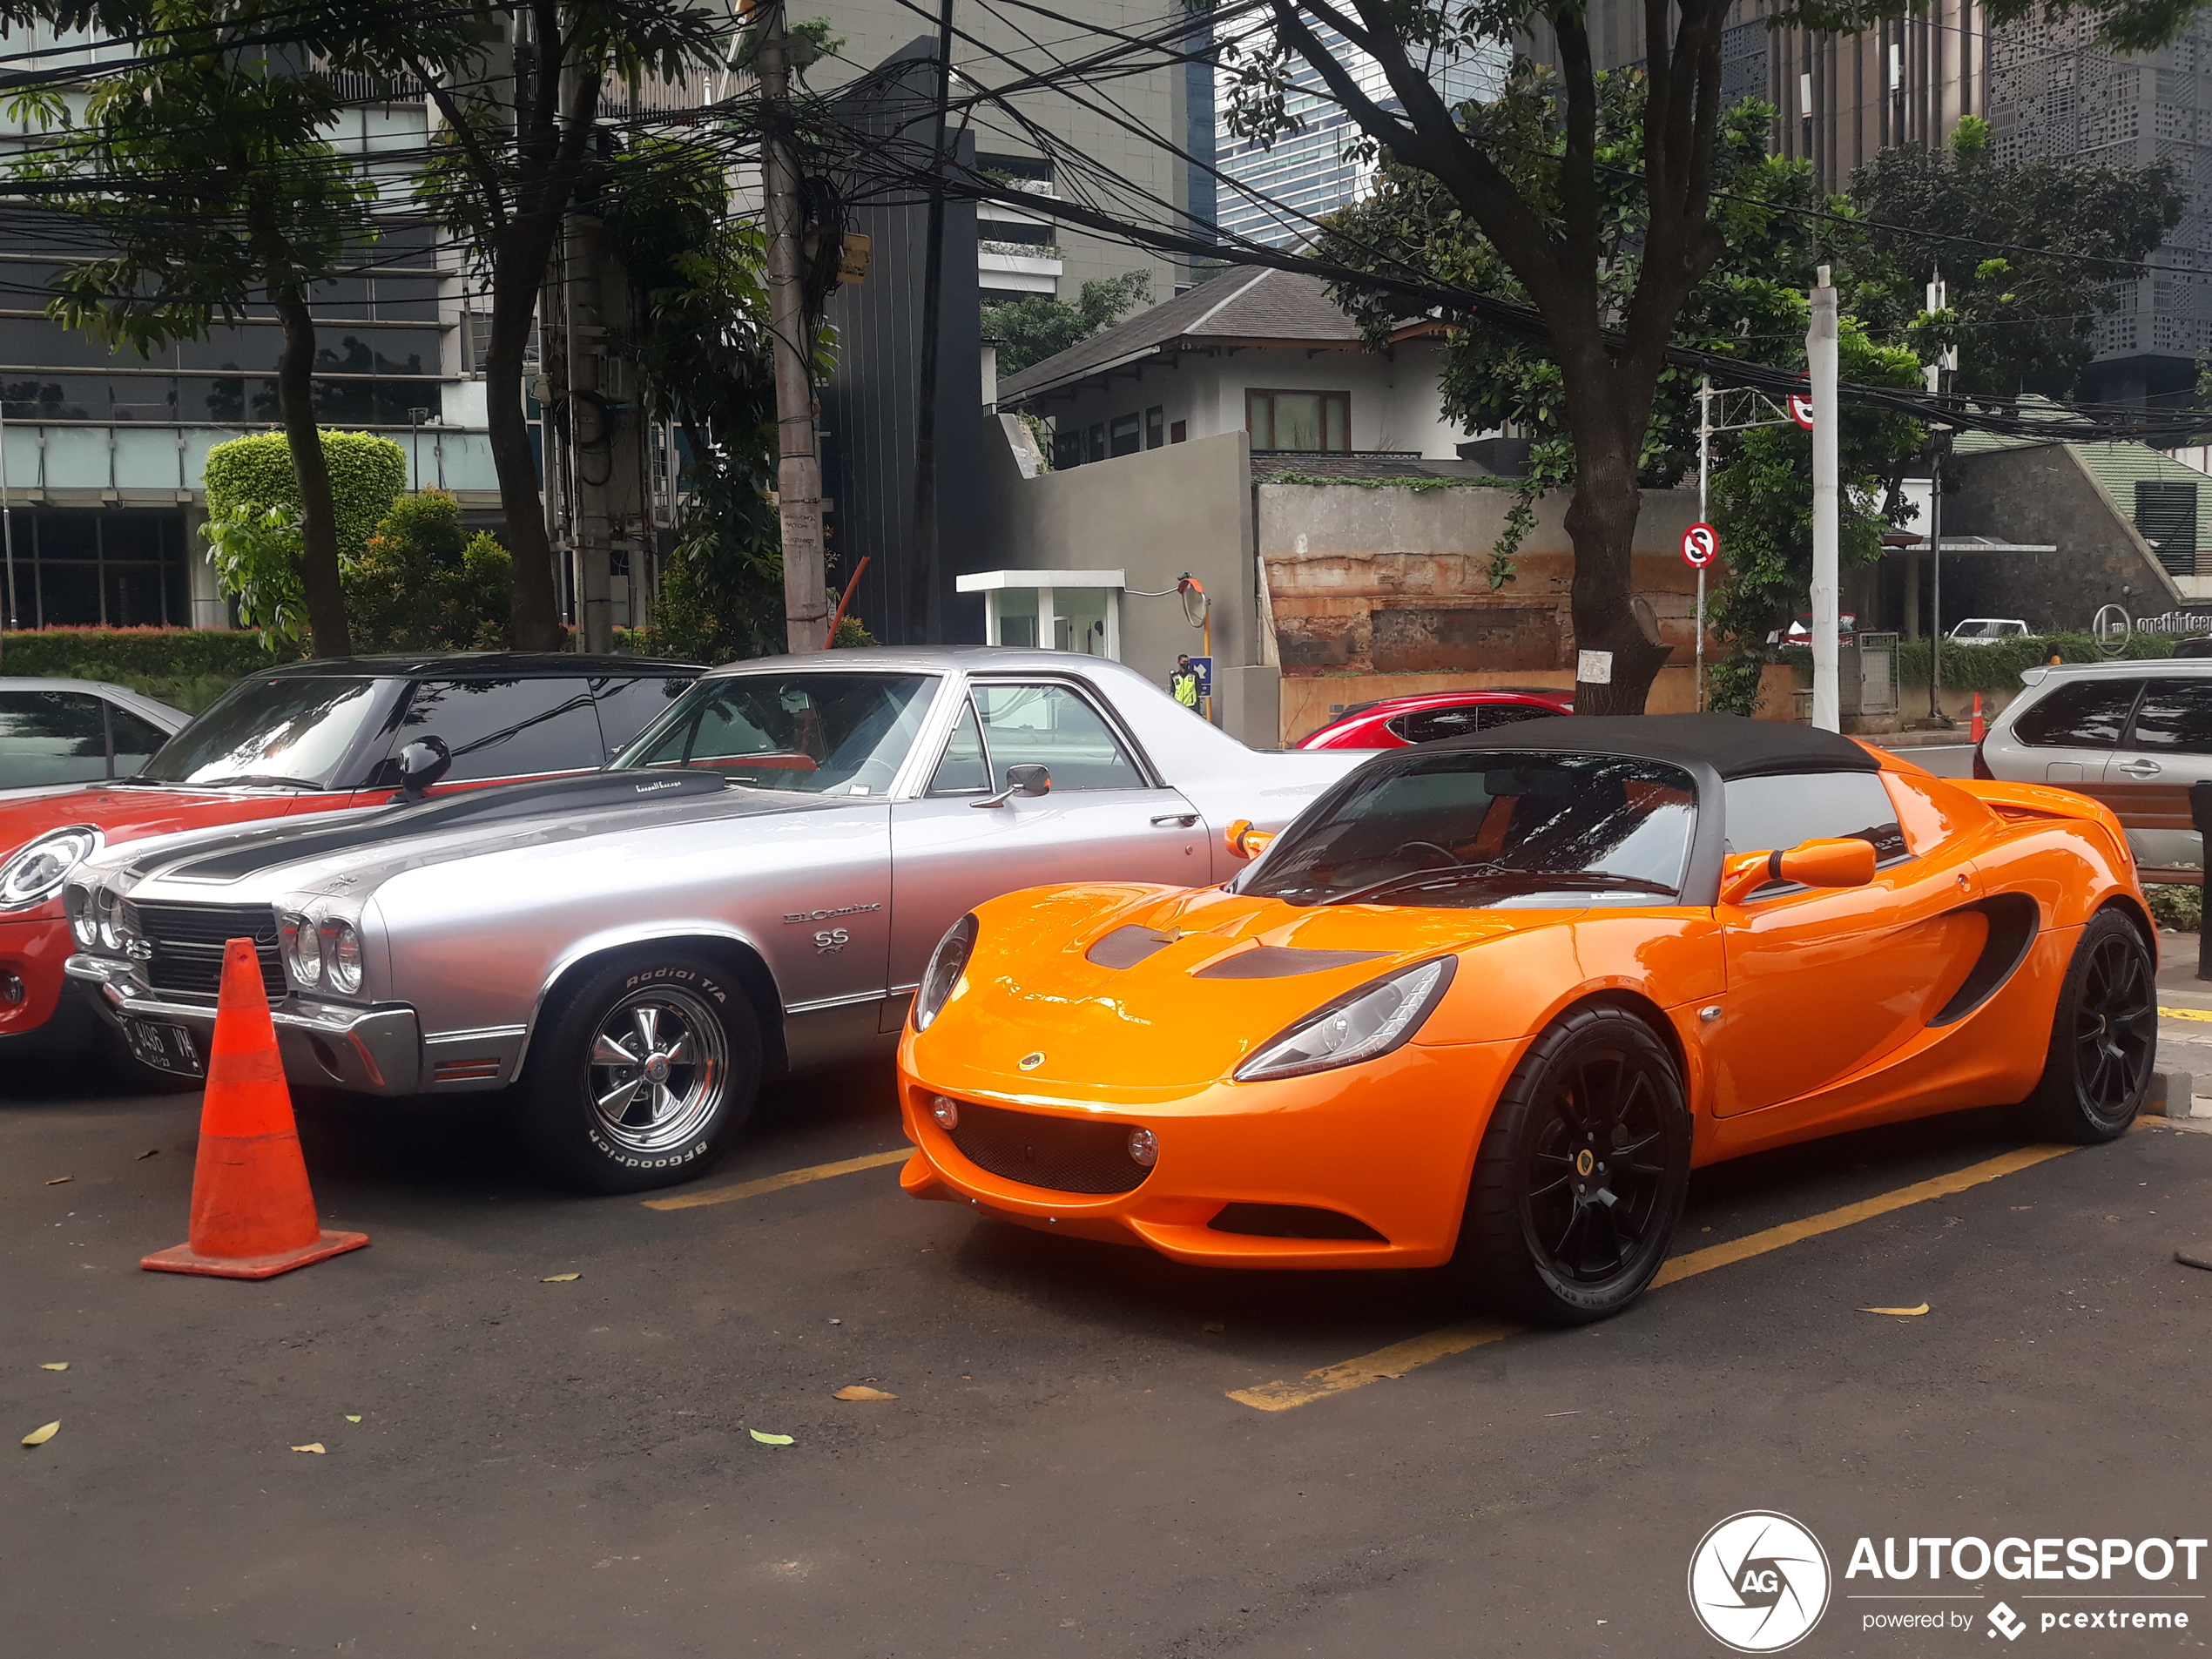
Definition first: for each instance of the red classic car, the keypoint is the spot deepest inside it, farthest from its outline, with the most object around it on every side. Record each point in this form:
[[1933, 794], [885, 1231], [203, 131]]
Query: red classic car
[[306, 738], [1399, 722]]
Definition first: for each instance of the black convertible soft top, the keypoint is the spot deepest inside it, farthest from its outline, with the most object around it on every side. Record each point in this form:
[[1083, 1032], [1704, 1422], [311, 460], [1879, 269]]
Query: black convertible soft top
[[1731, 745]]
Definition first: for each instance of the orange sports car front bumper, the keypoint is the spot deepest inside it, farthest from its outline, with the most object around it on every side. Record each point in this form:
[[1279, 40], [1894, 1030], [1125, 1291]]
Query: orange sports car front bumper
[[1386, 1146]]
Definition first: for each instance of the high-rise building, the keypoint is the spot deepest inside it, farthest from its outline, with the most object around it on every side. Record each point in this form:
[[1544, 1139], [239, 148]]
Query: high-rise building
[[2047, 88], [1273, 193]]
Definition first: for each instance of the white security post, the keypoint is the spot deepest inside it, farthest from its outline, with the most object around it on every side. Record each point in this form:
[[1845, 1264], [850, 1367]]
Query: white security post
[[1820, 358]]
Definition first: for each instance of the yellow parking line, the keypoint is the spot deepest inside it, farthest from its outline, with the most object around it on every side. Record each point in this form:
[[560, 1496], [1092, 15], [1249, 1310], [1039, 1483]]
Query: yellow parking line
[[2185, 1014], [1402, 1357], [777, 1183]]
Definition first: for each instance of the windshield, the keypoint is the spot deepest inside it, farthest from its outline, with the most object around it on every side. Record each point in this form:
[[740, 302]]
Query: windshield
[[295, 731], [1479, 832], [840, 734]]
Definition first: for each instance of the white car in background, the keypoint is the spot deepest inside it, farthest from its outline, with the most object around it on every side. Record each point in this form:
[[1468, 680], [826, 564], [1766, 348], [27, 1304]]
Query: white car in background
[[58, 733], [1988, 630]]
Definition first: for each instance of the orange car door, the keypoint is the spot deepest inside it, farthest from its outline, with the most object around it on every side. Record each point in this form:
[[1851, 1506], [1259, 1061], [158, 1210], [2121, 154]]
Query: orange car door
[[1823, 981]]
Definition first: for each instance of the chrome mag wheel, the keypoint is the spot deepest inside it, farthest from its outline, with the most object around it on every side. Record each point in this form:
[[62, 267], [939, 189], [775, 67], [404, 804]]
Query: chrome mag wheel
[[2115, 1026], [1597, 1170], [659, 1068]]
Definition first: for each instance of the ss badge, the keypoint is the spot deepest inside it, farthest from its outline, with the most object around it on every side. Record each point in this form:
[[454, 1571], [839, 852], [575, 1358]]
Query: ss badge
[[832, 940]]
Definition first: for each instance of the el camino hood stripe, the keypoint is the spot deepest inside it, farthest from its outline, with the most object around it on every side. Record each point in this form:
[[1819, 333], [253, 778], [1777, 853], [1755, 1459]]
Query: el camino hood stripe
[[605, 791]]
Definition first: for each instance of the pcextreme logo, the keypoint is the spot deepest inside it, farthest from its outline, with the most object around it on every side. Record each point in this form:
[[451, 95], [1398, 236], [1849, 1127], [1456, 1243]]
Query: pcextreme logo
[[1758, 1581]]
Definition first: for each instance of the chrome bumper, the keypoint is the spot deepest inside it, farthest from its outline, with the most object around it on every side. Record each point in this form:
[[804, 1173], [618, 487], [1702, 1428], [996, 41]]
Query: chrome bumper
[[325, 1045]]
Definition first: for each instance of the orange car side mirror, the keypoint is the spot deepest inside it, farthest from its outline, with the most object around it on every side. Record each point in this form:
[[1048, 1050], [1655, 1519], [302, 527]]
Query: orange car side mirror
[[1245, 842], [1846, 862]]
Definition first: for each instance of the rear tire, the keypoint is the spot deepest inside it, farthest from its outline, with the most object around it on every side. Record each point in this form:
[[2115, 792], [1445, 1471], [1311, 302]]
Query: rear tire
[[1580, 1180], [2104, 1037], [640, 1072]]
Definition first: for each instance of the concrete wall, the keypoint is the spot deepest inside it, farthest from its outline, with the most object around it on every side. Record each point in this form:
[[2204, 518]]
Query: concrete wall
[[1395, 581], [1154, 516], [1393, 393], [2046, 494]]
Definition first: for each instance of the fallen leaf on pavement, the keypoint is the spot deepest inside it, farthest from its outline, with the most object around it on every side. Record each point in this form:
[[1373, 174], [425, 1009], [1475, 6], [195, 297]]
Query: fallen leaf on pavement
[[560, 1278], [311, 1446], [40, 1436], [855, 1390], [151, 1152], [55, 1364], [353, 1420], [61, 1180], [1902, 1313], [769, 1439]]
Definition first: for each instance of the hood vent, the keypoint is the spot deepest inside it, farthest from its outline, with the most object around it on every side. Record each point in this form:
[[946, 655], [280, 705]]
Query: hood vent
[[1281, 962]]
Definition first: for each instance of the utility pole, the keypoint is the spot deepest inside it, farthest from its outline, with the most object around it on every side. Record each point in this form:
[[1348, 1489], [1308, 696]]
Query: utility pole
[[1937, 374], [1820, 360], [921, 574], [1704, 514], [799, 466]]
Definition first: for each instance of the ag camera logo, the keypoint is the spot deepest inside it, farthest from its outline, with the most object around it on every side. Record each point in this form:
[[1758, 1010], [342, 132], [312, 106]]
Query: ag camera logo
[[1758, 1581]]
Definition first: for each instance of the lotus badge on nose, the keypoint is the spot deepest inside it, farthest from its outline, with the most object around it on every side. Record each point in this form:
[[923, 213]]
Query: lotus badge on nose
[[1031, 1061]]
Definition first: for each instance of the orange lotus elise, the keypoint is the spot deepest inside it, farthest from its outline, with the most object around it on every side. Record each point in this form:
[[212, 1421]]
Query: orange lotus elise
[[1488, 1001]]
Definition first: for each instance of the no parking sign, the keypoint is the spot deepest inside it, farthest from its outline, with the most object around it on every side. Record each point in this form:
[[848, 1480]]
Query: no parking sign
[[1700, 544]]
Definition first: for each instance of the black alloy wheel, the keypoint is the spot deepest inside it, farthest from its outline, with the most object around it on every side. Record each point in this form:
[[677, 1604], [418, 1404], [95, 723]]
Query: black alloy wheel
[[1581, 1174], [2104, 1036]]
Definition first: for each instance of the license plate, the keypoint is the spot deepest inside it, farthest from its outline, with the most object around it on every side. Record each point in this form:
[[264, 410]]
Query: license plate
[[165, 1047]]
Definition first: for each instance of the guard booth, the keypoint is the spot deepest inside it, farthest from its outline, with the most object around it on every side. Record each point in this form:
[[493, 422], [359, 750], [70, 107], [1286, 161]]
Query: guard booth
[[1078, 610]]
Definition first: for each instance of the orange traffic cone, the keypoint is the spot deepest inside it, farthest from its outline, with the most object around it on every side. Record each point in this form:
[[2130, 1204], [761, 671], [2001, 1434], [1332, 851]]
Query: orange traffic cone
[[253, 1216], [1979, 729]]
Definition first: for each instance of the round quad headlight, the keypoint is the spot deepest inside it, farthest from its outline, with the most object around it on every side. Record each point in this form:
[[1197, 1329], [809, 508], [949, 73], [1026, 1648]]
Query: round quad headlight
[[303, 951], [107, 914], [37, 870], [81, 927], [342, 955], [1143, 1147]]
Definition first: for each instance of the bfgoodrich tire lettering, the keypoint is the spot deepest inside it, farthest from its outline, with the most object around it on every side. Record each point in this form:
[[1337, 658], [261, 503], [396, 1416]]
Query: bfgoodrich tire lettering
[[2104, 1037], [1580, 1178], [641, 1072]]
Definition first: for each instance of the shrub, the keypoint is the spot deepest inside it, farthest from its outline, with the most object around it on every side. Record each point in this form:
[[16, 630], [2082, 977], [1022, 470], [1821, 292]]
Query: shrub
[[255, 551], [2180, 909], [425, 583], [1997, 667], [367, 475], [189, 667]]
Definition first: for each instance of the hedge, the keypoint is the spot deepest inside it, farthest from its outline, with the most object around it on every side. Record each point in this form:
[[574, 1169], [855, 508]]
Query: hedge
[[366, 476], [1997, 667], [189, 667]]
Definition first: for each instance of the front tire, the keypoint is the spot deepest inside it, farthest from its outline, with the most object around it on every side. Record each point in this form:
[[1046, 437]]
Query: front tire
[[2104, 1037], [641, 1072], [1580, 1176]]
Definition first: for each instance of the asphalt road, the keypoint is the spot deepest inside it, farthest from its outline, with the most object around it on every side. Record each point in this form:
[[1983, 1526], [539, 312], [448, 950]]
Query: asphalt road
[[551, 1469]]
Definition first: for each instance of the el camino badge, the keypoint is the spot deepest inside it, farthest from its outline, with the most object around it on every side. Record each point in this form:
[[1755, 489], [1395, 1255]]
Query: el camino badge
[[823, 915]]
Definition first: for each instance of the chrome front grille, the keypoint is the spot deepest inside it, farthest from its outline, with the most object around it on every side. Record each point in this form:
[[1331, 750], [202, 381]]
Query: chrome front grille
[[188, 941]]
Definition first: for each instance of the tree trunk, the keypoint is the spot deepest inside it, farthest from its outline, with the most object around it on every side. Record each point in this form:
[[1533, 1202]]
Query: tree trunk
[[317, 513], [518, 264], [1609, 407]]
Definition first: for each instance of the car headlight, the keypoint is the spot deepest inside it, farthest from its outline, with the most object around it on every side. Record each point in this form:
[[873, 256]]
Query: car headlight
[[38, 869], [301, 942], [108, 919], [81, 927], [947, 963], [1359, 1025], [341, 954]]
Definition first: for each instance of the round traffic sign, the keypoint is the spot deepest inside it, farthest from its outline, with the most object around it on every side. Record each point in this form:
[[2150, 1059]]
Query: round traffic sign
[[1801, 409], [1701, 543]]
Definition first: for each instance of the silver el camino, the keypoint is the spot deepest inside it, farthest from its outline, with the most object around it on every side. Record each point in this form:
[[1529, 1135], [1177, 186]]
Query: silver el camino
[[753, 887]]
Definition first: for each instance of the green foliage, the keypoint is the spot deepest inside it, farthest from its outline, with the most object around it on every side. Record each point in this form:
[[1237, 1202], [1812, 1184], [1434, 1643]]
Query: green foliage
[[367, 475], [255, 551], [189, 667], [704, 351], [851, 634], [1996, 666], [1037, 327], [2021, 323], [2179, 908], [425, 583]]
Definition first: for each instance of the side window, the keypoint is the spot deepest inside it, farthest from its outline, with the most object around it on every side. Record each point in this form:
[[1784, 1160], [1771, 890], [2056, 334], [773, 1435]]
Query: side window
[[965, 769], [518, 728], [51, 737], [627, 707], [2079, 714], [135, 740], [2175, 717], [1426, 726], [1052, 725], [1763, 814]]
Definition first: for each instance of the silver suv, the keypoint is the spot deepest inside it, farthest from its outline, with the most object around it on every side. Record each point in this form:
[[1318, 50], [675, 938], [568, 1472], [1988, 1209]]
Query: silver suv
[[2144, 722]]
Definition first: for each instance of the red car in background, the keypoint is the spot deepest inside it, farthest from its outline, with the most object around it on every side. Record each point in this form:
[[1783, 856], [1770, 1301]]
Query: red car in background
[[308, 738], [1400, 722]]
